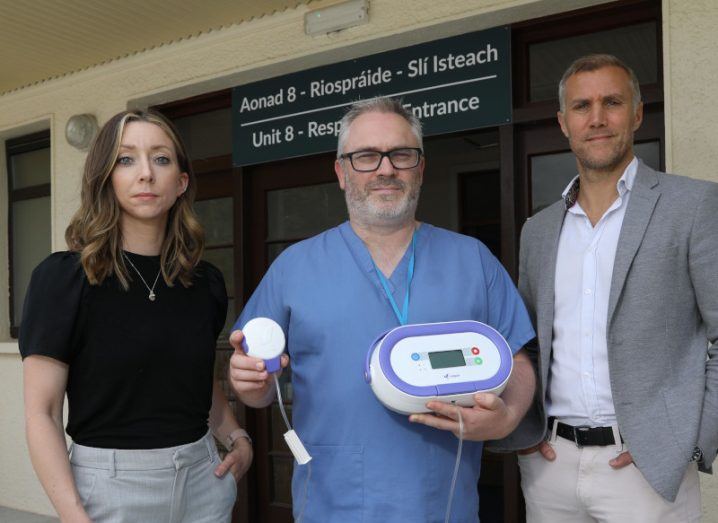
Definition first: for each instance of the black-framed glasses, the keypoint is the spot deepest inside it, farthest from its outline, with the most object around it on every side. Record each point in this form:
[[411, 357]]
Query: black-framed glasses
[[368, 161]]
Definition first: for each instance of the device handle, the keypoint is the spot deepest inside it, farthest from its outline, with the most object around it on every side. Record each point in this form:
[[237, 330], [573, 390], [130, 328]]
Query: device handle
[[274, 364]]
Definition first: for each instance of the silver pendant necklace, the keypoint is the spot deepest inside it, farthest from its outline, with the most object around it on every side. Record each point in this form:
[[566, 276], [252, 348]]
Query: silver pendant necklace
[[152, 294]]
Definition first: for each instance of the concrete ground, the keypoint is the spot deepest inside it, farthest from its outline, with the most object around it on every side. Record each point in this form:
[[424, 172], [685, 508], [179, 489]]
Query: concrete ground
[[8, 515]]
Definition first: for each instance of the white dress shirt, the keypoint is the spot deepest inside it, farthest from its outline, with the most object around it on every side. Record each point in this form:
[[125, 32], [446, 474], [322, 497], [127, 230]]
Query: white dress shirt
[[579, 387]]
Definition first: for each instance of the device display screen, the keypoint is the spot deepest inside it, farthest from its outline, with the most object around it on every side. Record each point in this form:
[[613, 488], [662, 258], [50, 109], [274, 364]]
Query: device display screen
[[448, 358]]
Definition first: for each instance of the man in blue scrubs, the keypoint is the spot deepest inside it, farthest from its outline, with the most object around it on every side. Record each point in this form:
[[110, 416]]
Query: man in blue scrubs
[[370, 464]]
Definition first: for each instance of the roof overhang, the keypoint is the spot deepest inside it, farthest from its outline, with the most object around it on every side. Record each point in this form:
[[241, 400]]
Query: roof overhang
[[45, 39]]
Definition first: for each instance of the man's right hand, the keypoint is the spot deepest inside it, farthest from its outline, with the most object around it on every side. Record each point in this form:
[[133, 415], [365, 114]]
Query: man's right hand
[[248, 375], [544, 448]]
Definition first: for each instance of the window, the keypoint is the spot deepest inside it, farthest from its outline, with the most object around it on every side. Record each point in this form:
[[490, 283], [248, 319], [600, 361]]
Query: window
[[635, 44], [28, 167], [544, 48]]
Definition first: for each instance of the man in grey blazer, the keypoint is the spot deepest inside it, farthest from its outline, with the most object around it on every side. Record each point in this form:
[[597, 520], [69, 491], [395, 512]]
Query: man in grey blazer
[[621, 280]]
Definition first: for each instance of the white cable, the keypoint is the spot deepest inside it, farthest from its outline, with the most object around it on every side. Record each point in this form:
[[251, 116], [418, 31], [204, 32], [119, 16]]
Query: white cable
[[281, 403], [292, 441], [456, 466]]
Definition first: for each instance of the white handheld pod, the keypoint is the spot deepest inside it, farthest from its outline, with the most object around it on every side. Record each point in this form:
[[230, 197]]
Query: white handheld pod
[[264, 338]]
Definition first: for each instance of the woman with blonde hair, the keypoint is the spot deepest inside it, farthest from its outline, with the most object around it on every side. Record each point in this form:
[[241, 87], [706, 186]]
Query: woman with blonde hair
[[125, 323]]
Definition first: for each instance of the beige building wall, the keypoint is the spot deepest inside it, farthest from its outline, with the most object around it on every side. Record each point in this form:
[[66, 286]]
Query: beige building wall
[[274, 45], [690, 75]]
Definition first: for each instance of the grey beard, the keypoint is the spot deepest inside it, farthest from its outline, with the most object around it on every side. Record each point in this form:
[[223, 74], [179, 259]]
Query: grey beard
[[361, 208]]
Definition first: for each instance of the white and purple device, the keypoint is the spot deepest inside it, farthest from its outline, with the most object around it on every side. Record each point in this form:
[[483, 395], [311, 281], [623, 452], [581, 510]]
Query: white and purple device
[[413, 364], [264, 338]]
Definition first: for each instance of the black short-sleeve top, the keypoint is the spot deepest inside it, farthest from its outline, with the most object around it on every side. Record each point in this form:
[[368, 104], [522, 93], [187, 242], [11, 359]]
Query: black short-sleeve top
[[140, 371]]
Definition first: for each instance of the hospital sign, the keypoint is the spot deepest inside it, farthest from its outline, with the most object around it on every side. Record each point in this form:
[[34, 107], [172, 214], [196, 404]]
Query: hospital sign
[[453, 84]]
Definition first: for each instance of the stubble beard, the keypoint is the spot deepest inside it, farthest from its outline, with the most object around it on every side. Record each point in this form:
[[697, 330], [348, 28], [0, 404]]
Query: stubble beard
[[602, 162], [364, 209]]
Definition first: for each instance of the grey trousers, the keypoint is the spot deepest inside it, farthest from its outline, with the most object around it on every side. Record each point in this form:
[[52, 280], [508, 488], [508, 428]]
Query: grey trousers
[[171, 485]]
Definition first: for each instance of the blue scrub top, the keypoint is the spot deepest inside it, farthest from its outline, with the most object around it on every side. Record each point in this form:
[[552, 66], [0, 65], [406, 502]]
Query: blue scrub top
[[369, 463]]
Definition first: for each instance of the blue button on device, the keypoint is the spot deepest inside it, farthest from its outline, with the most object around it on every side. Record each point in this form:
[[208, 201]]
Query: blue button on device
[[415, 356]]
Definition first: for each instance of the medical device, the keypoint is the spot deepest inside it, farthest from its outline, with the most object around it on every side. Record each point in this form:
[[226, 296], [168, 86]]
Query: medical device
[[414, 364], [264, 338]]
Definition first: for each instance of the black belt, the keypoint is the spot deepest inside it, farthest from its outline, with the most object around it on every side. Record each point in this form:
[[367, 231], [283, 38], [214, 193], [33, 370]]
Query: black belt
[[585, 436]]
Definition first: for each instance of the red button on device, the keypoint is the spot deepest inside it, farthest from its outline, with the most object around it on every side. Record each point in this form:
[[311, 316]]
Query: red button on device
[[474, 350]]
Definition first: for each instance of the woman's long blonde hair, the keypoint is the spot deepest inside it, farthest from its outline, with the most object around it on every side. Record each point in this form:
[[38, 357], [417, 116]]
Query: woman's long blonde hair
[[94, 230]]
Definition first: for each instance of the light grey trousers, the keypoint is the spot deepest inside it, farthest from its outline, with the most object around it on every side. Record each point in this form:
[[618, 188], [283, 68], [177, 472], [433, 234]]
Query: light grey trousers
[[171, 485]]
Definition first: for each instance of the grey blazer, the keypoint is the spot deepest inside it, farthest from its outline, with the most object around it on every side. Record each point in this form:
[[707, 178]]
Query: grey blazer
[[662, 323]]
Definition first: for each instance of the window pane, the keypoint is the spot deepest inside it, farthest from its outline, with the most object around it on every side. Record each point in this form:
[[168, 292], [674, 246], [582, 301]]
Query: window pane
[[550, 174], [206, 134], [650, 153], [223, 259], [481, 208], [32, 168], [634, 44], [301, 212], [30, 245], [228, 322], [216, 217]]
